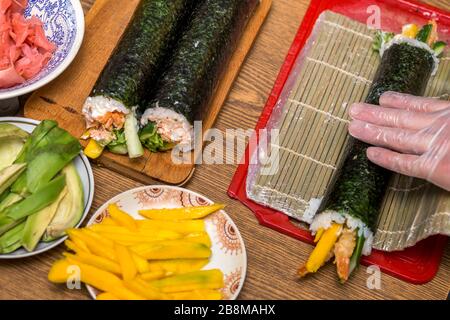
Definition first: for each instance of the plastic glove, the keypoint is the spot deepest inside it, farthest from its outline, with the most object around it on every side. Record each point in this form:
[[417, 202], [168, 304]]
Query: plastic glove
[[411, 135]]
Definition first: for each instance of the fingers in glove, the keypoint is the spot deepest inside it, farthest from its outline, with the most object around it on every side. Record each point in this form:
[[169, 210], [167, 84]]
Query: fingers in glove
[[413, 103], [405, 164], [401, 140], [389, 117]]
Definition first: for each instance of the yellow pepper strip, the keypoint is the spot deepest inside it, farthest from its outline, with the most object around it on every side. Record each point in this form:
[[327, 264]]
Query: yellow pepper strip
[[108, 222], [183, 227], [177, 266], [144, 289], [100, 279], [106, 296], [122, 218], [319, 234], [188, 213], [93, 149], [174, 249], [323, 247], [154, 275], [199, 237], [206, 279], [96, 261], [126, 262], [94, 246], [72, 246], [204, 294], [410, 30]]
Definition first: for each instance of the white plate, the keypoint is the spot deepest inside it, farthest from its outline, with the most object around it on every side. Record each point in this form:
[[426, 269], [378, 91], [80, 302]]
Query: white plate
[[228, 249], [87, 179]]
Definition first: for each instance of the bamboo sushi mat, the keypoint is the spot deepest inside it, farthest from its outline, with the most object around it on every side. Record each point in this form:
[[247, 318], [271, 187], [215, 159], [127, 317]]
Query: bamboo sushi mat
[[334, 70]]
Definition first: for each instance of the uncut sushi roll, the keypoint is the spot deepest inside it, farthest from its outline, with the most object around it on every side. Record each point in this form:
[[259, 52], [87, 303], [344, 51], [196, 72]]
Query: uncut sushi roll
[[110, 110], [344, 230], [186, 88]]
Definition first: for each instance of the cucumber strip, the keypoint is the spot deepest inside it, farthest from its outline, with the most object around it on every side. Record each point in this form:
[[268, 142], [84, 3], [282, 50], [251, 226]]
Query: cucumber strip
[[134, 145], [438, 47], [424, 33], [356, 256]]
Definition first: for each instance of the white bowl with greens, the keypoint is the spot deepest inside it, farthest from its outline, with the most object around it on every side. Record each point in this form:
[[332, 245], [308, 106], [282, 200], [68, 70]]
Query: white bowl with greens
[[46, 186]]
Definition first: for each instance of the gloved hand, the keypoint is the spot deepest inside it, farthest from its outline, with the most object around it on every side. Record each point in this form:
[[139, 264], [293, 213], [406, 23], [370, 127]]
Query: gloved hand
[[411, 135]]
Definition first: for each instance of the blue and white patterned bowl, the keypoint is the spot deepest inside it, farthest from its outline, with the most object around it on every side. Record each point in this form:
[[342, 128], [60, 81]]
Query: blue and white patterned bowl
[[64, 25]]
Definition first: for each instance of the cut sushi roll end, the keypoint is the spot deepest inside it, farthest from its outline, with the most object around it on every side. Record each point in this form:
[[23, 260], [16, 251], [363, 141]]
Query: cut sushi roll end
[[339, 236], [110, 124], [162, 129]]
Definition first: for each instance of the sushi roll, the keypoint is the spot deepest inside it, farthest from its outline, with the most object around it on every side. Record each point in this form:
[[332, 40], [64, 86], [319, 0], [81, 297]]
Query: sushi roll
[[344, 230], [186, 87], [110, 110]]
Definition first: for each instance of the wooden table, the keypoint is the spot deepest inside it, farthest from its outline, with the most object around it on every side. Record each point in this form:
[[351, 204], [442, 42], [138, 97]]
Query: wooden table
[[272, 257]]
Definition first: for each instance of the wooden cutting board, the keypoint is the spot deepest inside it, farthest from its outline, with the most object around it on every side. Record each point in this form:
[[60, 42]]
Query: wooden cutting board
[[62, 100]]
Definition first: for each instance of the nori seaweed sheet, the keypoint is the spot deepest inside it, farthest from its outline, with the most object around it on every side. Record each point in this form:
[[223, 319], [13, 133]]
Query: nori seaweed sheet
[[361, 184], [136, 63], [201, 56]]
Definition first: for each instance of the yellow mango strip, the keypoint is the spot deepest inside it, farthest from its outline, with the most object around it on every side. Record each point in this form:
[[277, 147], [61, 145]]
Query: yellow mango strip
[[174, 249], [96, 261], [106, 296], [92, 243], [323, 248], [183, 227], [319, 234], [101, 240], [177, 266], [105, 281], [144, 289], [59, 272], [122, 234], [154, 275], [135, 238], [100, 279], [72, 246], [121, 217], [197, 280], [141, 263], [199, 237], [79, 243], [126, 262], [108, 221], [204, 294], [188, 213]]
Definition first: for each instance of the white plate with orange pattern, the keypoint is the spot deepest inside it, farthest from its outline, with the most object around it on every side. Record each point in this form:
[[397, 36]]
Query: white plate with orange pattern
[[228, 249]]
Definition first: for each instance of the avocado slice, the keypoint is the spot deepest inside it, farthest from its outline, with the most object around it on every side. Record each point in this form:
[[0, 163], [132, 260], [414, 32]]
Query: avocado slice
[[9, 174], [9, 200], [37, 223], [12, 140], [71, 207], [12, 240]]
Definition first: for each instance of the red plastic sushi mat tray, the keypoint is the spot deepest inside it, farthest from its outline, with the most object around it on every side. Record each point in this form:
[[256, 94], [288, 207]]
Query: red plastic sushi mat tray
[[418, 264]]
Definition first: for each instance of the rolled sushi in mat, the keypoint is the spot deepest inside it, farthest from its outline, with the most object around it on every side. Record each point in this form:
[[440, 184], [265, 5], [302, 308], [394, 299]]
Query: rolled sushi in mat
[[187, 86], [110, 110], [344, 230]]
